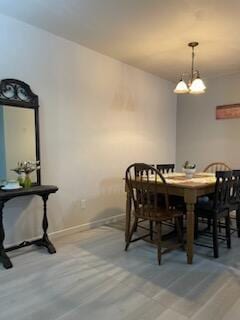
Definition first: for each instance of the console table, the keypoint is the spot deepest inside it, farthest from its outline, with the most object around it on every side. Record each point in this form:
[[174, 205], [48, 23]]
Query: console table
[[5, 196]]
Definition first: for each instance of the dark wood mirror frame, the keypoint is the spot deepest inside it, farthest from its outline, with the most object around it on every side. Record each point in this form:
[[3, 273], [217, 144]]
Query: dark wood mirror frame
[[21, 96]]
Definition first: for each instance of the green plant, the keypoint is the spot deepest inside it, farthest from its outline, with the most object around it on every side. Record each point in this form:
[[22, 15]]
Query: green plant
[[187, 165]]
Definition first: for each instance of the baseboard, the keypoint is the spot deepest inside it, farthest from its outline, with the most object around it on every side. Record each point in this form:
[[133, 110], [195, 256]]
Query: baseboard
[[78, 228], [86, 226]]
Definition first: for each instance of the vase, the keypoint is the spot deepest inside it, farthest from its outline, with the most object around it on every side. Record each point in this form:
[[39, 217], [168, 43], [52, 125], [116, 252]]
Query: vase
[[27, 181]]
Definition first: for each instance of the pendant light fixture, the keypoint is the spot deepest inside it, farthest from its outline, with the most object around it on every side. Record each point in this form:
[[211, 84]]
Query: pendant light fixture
[[195, 84]]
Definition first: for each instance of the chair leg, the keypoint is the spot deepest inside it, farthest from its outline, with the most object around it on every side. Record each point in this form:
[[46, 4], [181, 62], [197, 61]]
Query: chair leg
[[131, 233], [151, 229], [215, 237], [209, 224], [219, 226], [238, 221], [228, 231], [196, 227], [135, 228], [159, 241]]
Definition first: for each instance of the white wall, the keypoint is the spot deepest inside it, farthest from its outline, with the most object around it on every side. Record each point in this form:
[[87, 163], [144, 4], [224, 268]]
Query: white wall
[[200, 137], [97, 116]]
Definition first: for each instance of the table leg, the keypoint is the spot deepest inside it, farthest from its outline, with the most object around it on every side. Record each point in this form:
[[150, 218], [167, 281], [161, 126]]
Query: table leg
[[45, 242], [190, 198], [190, 232], [3, 256], [128, 216]]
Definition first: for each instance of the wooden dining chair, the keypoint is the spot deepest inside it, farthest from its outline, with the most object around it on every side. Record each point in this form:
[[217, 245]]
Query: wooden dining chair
[[217, 166], [217, 208], [140, 171], [213, 168], [235, 200], [143, 171], [174, 201], [166, 168], [144, 195]]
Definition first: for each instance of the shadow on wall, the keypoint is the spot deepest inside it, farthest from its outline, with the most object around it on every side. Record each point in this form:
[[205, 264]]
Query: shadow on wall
[[124, 100], [109, 202]]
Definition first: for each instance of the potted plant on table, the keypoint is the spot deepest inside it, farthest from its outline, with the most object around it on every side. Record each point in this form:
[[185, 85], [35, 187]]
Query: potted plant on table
[[189, 169]]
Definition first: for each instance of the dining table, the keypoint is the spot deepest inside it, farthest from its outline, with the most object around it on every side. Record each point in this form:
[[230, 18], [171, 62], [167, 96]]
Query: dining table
[[190, 189]]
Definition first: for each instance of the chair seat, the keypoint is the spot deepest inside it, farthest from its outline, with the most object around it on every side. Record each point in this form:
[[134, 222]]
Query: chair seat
[[206, 209], [174, 201]]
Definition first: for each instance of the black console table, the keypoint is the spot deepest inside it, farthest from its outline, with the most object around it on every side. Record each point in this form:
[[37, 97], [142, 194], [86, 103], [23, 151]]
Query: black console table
[[5, 196]]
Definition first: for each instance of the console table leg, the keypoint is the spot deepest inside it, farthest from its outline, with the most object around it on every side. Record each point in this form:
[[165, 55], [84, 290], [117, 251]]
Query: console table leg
[[3, 256], [45, 242]]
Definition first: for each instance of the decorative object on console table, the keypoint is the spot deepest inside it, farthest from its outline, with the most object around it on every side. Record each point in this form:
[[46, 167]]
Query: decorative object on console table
[[11, 185], [41, 191], [231, 111], [26, 167], [27, 181], [20, 177]]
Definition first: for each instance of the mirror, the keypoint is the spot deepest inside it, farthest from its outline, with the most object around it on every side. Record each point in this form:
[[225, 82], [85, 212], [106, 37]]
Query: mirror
[[18, 141], [19, 133]]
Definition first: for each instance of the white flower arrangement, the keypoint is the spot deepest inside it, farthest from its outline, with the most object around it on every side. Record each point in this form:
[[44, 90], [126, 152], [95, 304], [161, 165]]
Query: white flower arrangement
[[27, 167]]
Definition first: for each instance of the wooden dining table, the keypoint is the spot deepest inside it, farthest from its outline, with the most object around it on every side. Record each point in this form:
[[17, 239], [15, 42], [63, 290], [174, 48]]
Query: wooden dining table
[[201, 184]]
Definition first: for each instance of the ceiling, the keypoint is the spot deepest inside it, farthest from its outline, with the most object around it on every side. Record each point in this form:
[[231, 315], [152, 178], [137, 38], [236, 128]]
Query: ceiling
[[149, 34]]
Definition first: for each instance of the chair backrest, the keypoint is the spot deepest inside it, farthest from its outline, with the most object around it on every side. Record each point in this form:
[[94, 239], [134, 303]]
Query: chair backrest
[[222, 189], [166, 168], [217, 166], [143, 171], [143, 189], [235, 188]]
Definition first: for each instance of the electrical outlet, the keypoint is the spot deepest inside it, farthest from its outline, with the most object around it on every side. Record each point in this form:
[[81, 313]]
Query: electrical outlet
[[83, 204]]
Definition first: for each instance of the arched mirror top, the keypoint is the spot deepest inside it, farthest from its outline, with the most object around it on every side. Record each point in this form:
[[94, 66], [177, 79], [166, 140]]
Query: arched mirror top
[[17, 93]]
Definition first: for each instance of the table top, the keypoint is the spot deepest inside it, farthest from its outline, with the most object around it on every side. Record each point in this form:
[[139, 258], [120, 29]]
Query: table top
[[198, 181], [34, 190], [201, 179]]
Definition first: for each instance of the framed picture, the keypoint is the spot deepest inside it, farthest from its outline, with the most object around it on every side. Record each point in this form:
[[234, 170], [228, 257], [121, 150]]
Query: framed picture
[[231, 111]]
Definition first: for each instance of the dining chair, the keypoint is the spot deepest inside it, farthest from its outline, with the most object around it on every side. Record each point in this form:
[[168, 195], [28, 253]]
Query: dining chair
[[213, 168], [217, 208], [140, 171], [235, 200], [166, 168], [174, 201], [144, 195], [217, 166]]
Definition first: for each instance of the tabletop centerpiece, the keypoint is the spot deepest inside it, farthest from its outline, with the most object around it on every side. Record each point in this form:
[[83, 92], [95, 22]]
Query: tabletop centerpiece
[[24, 170], [189, 169]]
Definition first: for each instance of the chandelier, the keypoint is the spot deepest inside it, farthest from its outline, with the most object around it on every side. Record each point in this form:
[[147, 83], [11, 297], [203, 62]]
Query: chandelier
[[195, 84]]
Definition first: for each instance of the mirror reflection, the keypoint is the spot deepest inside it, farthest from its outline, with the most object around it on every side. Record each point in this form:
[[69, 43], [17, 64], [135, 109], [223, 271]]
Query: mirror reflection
[[17, 140]]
